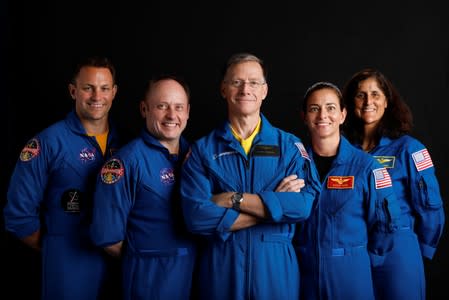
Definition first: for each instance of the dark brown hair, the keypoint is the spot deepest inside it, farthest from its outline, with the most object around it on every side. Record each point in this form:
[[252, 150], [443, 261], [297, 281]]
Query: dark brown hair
[[397, 119], [94, 61]]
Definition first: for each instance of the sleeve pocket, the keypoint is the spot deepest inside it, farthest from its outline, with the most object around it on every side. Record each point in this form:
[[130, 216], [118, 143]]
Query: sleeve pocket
[[429, 191]]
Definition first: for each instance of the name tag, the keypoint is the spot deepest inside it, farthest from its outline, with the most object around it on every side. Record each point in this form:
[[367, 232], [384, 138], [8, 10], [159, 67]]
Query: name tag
[[340, 182], [265, 150]]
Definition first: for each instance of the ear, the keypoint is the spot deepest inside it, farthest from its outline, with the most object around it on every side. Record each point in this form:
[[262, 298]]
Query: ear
[[344, 112], [265, 90], [143, 109], [222, 90], [188, 111], [114, 91], [72, 90]]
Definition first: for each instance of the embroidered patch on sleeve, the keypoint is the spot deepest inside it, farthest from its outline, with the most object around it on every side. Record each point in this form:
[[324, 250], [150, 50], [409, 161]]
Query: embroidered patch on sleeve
[[382, 178], [112, 171], [340, 182], [422, 160], [31, 150], [302, 150]]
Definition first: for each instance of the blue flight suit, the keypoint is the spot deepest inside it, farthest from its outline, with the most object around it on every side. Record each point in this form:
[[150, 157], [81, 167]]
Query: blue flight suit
[[54, 179], [422, 217], [353, 221], [137, 200], [257, 262]]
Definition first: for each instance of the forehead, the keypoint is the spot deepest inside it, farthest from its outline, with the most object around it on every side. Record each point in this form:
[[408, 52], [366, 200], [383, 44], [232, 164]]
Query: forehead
[[89, 73], [248, 69], [323, 96], [167, 91], [369, 84]]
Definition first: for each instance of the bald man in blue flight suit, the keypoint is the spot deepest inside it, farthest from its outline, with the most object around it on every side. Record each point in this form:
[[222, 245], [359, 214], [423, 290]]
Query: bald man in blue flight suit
[[137, 211], [53, 180], [228, 195]]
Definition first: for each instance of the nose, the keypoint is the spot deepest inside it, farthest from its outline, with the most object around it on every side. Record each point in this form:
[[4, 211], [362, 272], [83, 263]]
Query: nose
[[323, 113], [369, 99], [170, 112], [96, 94], [245, 87]]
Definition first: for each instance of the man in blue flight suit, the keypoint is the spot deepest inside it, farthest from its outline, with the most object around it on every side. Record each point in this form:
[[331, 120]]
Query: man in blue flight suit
[[137, 213], [53, 182], [228, 189]]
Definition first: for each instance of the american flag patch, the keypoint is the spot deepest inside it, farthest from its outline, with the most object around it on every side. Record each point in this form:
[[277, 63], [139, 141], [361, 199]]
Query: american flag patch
[[422, 160], [302, 150], [382, 178]]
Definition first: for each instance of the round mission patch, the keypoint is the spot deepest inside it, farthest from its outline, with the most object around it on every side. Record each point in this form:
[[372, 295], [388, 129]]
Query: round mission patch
[[112, 171], [31, 150]]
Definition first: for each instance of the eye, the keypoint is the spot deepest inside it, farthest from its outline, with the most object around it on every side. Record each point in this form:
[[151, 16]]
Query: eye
[[375, 95], [162, 106], [236, 83], [179, 107], [254, 83], [360, 96]]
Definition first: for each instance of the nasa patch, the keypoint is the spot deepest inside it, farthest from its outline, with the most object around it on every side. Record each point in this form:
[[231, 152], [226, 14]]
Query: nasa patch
[[167, 175], [112, 171], [87, 154], [31, 150]]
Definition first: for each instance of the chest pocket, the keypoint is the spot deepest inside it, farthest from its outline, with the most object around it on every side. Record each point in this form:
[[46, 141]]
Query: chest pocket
[[339, 192]]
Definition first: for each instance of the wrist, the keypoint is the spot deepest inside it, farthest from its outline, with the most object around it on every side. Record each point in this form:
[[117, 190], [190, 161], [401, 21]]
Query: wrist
[[236, 200]]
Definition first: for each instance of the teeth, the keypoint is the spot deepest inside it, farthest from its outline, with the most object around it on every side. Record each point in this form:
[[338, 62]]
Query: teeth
[[97, 105]]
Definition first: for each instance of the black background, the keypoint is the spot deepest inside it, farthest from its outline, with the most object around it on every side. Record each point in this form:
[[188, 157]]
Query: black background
[[300, 42]]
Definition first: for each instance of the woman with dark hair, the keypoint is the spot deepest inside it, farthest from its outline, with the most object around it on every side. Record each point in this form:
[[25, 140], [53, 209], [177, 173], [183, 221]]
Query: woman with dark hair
[[355, 215], [380, 122]]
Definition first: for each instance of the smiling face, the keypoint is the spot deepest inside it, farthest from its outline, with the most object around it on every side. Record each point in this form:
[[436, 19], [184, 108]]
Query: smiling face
[[93, 91], [370, 102], [244, 88], [166, 111], [323, 114]]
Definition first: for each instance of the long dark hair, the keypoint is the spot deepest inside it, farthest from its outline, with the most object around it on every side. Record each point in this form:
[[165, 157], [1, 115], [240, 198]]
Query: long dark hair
[[397, 119]]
